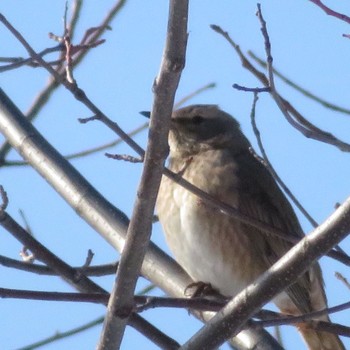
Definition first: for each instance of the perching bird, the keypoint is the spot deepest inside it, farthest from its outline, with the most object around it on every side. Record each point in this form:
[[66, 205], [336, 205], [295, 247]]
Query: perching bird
[[208, 148]]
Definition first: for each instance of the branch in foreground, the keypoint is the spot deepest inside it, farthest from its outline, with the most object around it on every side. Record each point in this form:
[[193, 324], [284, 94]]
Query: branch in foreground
[[232, 317], [107, 220], [139, 230], [142, 303], [78, 280], [99, 115]]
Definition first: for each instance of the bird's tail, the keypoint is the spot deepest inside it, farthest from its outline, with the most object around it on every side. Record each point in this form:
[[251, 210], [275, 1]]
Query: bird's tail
[[317, 340]]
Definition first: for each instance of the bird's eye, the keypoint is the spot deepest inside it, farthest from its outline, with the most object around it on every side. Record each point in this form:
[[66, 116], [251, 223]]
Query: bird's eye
[[197, 119]]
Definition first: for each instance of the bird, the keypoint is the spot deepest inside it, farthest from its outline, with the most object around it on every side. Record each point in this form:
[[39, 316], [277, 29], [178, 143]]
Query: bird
[[208, 149]]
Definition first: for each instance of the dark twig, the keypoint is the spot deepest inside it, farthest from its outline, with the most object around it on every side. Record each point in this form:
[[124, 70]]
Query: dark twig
[[297, 87], [4, 199], [271, 318], [78, 93], [143, 303], [52, 84], [18, 61], [271, 169], [69, 274], [124, 157], [331, 12], [172, 345], [97, 270], [78, 280], [343, 279], [132, 133], [247, 89], [269, 166], [294, 118]]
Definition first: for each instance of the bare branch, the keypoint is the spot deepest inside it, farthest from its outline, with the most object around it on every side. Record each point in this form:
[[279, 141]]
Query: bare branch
[[140, 226], [291, 114], [297, 87], [52, 84], [193, 94], [62, 334], [331, 12], [107, 220], [124, 157], [233, 316], [97, 270], [74, 278]]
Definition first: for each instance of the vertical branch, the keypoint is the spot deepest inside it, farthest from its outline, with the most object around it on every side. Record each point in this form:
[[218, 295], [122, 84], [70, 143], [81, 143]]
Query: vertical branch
[[138, 235]]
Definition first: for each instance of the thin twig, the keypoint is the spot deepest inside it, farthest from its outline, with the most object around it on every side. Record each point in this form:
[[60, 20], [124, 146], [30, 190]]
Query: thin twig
[[271, 169], [78, 280], [342, 278], [182, 101], [52, 84], [132, 133], [19, 61], [297, 87], [125, 157], [97, 270], [248, 89], [331, 12], [297, 121], [58, 335], [4, 199], [78, 93], [144, 302]]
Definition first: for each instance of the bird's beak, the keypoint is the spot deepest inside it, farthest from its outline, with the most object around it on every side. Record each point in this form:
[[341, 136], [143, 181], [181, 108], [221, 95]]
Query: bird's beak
[[146, 114]]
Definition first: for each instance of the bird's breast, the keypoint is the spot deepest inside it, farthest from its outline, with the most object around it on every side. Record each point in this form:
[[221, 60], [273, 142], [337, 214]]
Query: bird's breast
[[206, 243]]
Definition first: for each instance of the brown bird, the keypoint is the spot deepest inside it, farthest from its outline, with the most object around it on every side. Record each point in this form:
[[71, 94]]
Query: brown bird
[[208, 148]]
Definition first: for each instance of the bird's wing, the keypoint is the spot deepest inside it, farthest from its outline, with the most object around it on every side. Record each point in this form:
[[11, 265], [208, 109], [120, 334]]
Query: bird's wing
[[261, 198]]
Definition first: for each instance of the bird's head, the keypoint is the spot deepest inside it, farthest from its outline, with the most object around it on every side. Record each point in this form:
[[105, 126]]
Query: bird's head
[[201, 127]]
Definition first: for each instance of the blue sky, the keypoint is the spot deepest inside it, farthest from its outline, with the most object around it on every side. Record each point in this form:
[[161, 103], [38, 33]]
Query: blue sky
[[307, 46]]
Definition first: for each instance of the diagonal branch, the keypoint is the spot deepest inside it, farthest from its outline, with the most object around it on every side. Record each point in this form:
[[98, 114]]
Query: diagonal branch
[[230, 320], [331, 12], [78, 279], [43, 97], [290, 113]]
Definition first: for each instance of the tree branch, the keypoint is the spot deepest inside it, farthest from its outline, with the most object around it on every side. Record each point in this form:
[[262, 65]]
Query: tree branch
[[139, 231], [233, 316], [77, 280]]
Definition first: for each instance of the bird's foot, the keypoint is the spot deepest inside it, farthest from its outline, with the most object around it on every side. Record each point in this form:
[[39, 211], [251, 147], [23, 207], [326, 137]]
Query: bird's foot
[[199, 290]]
